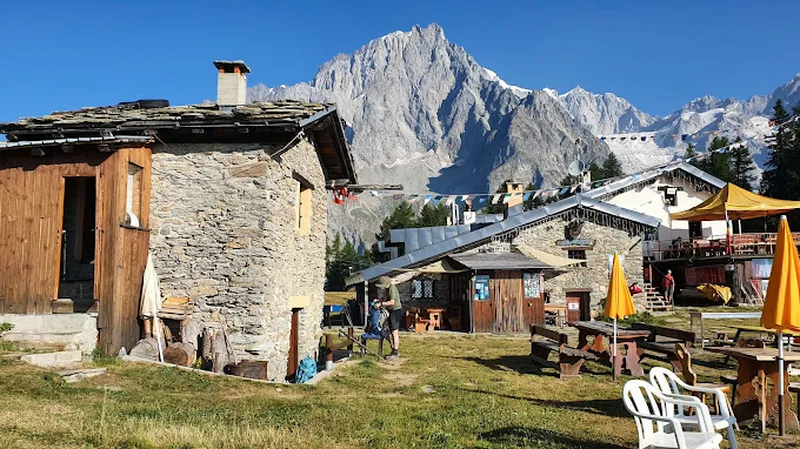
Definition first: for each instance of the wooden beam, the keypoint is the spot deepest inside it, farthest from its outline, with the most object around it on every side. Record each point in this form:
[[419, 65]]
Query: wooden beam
[[362, 187]]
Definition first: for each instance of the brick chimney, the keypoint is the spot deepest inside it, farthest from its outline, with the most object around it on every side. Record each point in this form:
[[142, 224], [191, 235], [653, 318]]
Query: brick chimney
[[514, 204], [231, 82]]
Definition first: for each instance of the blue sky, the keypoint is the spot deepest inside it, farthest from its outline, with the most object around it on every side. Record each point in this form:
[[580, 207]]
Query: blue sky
[[658, 55]]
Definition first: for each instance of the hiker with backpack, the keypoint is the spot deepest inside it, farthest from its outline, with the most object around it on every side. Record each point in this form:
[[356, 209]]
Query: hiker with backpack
[[395, 307]]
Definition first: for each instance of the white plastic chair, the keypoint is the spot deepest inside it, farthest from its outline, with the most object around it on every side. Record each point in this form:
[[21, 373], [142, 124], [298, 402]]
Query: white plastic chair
[[657, 429], [669, 384]]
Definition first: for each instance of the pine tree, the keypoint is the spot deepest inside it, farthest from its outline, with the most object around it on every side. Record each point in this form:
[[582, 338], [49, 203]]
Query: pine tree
[[781, 178], [495, 208], [691, 152], [717, 163], [596, 171], [612, 167], [402, 217], [433, 215], [742, 166]]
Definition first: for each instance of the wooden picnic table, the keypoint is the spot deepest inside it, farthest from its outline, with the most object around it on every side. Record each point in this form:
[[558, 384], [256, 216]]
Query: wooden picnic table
[[626, 338], [755, 400], [435, 315], [719, 316]]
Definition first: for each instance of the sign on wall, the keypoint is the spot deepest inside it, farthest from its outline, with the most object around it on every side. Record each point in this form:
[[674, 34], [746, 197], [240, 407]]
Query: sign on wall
[[533, 285], [482, 288]]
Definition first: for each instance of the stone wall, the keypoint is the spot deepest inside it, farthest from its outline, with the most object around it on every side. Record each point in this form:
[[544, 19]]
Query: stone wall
[[595, 275], [224, 232], [441, 286]]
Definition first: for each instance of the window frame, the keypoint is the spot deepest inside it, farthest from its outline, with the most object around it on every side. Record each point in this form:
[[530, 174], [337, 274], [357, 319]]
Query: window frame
[[423, 283], [303, 205], [134, 191], [571, 252]]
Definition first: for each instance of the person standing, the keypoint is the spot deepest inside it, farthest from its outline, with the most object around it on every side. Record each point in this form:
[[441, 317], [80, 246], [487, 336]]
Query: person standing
[[395, 308], [668, 282]]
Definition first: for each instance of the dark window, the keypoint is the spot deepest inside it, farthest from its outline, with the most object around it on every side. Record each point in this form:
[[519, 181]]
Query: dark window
[[671, 197], [577, 254], [695, 229], [422, 289]]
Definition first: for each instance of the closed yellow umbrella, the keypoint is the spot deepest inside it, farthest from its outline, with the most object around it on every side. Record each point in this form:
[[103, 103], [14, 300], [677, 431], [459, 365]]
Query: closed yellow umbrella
[[619, 303], [782, 303]]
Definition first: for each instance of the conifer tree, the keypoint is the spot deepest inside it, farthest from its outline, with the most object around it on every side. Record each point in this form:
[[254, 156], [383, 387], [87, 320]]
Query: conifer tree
[[433, 215], [742, 166], [781, 178], [611, 167], [596, 171]]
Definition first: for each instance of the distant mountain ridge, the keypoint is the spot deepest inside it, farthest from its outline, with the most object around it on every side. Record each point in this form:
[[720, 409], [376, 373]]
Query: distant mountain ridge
[[422, 112]]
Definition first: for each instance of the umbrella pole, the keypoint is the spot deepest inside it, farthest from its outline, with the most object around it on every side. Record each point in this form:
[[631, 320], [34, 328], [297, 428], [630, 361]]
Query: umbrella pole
[[781, 387], [614, 353]]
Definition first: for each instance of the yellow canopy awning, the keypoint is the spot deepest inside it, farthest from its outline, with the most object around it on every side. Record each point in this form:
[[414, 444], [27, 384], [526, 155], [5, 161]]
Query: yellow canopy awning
[[549, 259], [740, 204]]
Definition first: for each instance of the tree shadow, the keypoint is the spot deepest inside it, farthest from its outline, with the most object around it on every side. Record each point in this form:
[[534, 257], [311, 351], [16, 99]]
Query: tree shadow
[[516, 436], [604, 407], [523, 364]]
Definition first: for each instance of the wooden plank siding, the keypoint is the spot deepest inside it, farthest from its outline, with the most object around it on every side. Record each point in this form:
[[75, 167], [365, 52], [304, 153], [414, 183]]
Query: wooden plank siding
[[122, 251], [31, 214], [31, 211], [508, 292]]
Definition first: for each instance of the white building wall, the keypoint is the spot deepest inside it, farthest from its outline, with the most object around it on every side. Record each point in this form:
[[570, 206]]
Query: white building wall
[[649, 200]]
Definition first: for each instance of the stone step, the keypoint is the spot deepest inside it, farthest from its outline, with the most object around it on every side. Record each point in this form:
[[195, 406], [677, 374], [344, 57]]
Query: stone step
[[53, 359]]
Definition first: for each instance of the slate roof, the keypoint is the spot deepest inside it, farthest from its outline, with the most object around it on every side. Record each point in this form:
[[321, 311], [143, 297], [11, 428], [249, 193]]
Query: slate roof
[[499, 261], [130, 117]]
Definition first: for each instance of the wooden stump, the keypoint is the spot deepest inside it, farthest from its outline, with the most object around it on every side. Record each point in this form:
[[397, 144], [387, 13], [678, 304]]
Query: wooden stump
[[180, 354], [146, 348]]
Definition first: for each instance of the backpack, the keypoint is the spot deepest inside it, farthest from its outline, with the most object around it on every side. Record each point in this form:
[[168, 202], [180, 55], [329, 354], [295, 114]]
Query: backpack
[[306, 371]]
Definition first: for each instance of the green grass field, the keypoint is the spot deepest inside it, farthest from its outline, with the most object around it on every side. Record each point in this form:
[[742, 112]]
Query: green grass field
[[448, 391]]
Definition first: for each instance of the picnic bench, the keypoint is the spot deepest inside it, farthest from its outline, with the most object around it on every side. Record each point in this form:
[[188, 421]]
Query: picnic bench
[[569, 359], [415, 322], [718, 316], [663, 349]]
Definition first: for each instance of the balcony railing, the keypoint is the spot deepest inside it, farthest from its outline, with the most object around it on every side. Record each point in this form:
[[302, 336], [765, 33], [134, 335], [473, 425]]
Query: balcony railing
[[740, 244]]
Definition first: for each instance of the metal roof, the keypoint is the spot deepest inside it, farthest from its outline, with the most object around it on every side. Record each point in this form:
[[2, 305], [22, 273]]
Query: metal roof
[[651, 174], [416, 238], [471, 238], [499, 261], [75, 141]]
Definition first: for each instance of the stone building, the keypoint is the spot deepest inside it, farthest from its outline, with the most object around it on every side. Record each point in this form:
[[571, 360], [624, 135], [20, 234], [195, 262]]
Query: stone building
[[229, 198], [574, 236]]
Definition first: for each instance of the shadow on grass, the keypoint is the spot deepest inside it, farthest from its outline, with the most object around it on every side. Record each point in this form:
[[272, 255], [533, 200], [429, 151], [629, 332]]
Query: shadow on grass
[[523, 364], [539, 438], [603, 407]]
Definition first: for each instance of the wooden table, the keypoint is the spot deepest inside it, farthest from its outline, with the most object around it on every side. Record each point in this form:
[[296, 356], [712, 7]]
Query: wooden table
[[435, 316], [755, 400], [561, 312], [626, 338], [719, 316]]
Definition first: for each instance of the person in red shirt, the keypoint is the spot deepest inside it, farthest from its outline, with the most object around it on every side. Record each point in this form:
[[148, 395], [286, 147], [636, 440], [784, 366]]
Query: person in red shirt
[[668, 282]]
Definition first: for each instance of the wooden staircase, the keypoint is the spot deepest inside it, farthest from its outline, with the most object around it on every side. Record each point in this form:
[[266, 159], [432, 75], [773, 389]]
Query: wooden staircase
[[654, 301]]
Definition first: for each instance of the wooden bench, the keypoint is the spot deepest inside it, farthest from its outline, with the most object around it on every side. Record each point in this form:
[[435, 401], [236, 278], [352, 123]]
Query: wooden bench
[[663, 349], [569, 359]]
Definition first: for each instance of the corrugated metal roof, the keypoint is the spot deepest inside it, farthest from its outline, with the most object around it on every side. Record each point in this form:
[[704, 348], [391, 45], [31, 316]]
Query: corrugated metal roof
[[471, 238], [499, 261], [415, 238]]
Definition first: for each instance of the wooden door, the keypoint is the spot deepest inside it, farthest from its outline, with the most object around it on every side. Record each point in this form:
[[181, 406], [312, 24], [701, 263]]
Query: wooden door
[[482, 307], [294, 346], [578, 304], [508, 300], [121, 250], [533, 303]]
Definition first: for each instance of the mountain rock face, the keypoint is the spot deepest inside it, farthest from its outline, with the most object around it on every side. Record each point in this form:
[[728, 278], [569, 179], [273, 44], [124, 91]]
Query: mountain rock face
[[425, 114]]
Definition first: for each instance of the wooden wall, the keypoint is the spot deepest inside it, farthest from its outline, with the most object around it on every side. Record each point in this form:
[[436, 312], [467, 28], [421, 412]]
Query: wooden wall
[[122, 251], [31, 211], [31, 214]]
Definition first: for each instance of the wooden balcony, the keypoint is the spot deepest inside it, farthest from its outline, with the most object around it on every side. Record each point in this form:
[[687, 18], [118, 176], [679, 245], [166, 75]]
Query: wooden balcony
[[748, 244]]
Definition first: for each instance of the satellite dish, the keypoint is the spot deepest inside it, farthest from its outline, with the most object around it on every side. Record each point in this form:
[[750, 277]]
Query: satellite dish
[[576, 168]]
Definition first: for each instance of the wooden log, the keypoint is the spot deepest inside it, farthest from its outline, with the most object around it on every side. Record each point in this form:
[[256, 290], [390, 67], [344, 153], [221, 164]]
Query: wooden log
[[207, 343], [191, 332], [180, 354], [220, 351], [146, 348], [167, 331]]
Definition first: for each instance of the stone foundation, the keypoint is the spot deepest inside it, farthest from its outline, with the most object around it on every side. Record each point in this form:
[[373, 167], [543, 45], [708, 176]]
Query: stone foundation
[[71, 332], [225, 234]]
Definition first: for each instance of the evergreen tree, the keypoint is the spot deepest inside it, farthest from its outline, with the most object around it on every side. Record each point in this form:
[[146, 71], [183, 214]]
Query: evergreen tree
[[611, 167], [596, 171], [717, 163], [690, 153], [402, 217], [781, 178], [433, 215], [495, 208], [341, 261], [742, 166]]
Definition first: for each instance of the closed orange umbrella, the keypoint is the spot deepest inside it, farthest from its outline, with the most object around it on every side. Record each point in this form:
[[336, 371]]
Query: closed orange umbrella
[[782, 303], [619, 303]]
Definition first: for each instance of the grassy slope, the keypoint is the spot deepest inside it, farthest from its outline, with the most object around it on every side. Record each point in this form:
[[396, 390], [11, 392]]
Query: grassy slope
[[452, 391]]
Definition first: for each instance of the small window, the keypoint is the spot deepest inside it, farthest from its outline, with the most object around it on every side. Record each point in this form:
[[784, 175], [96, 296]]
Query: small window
[[671, 197], [579, 254], [695, 229], [533, 286], [303, 207], [422, 289], [133, 199], [482, 292]]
